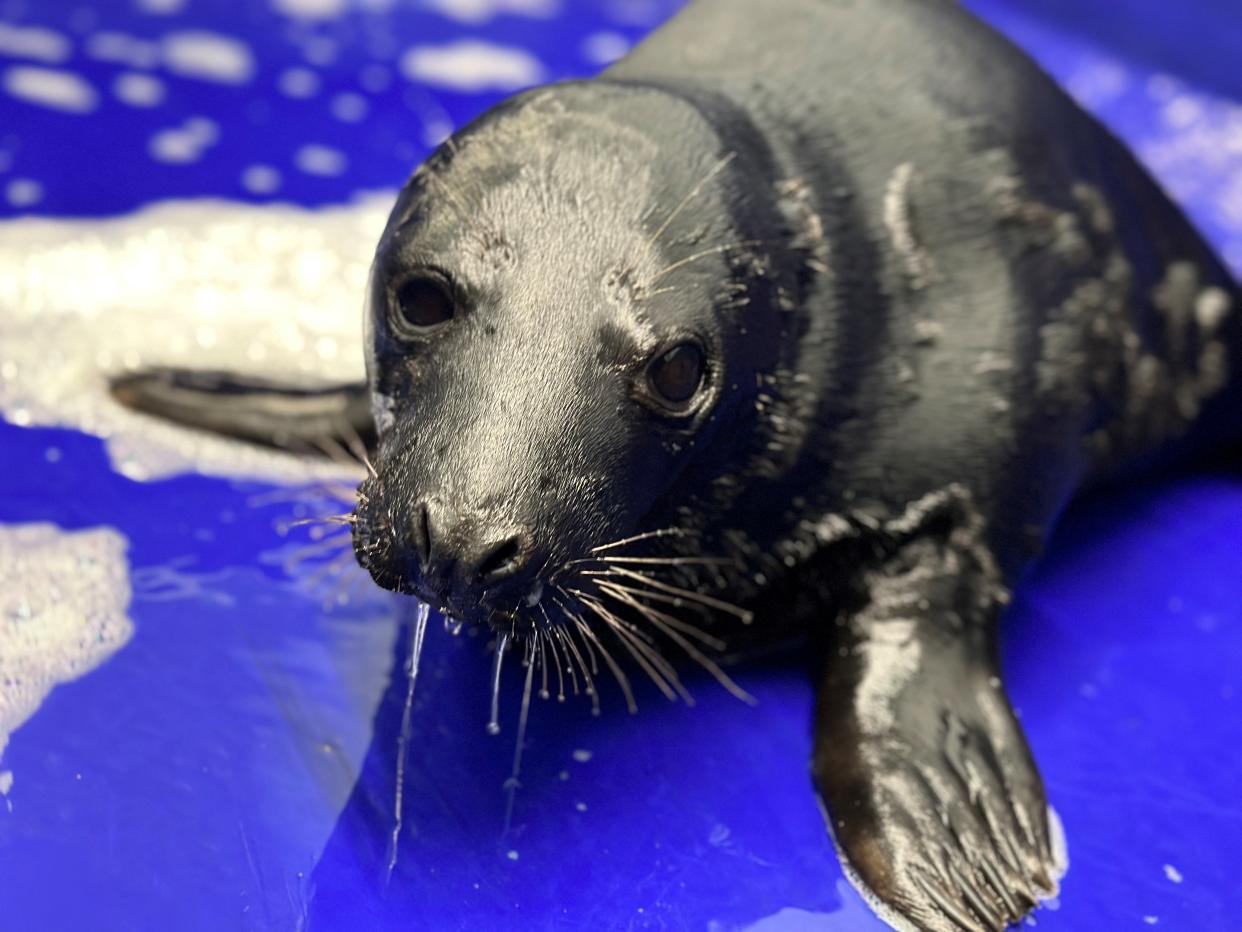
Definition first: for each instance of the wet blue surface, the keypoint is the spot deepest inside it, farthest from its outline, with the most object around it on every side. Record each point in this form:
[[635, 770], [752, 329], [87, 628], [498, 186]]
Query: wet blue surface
[[232, 766]]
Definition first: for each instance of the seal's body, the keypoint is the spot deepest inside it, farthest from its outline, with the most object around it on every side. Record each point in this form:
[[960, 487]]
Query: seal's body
[[809, 314]]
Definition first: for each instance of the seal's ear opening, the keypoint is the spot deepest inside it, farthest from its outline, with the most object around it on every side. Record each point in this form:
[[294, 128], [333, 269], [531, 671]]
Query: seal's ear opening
[[306, 418]]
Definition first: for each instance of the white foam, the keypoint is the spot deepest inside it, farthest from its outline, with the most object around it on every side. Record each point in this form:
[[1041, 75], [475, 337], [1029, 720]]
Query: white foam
[[34, 43], [472, 65], [320, 160], [311, 9], [139, 90], [64, 598], [261, 179], [52, 88], [122, 49], [83, 300], [23, 192], [479, 11], [603, 48], [298, 82], [208, 56]]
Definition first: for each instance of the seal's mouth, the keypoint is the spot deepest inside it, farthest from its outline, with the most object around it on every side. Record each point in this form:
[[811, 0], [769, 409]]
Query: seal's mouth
[[639, 598]]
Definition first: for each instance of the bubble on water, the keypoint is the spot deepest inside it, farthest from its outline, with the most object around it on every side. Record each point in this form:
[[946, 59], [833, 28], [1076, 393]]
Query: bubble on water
[[139, 90], [208, 56], [51, 88]]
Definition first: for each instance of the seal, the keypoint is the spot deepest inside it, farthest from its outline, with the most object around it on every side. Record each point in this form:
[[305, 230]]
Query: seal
[[791, 321]]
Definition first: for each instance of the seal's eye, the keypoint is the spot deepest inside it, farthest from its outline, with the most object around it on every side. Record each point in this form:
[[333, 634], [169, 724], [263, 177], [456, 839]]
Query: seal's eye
[[419, 304], [676, 374]]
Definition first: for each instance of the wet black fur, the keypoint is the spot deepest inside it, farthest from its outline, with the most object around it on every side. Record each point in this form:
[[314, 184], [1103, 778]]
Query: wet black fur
[[937, 300]]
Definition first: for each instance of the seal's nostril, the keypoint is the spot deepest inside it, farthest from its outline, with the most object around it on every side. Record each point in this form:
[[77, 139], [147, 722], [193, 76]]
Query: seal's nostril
[[502, 561], [421, 527]]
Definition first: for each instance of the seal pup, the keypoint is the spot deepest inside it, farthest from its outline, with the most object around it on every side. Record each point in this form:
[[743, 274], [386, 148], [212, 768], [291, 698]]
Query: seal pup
[[810, 316]]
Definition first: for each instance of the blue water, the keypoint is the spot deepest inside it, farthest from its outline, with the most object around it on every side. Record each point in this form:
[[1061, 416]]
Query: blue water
[[232, 766]]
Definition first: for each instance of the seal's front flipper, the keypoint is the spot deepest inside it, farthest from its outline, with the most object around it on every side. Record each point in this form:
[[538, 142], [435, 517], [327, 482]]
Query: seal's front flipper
[[325, 420], [929, 786]]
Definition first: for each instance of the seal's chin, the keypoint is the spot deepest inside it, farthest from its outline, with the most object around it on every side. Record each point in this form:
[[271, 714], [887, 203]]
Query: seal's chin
[[514, 613]]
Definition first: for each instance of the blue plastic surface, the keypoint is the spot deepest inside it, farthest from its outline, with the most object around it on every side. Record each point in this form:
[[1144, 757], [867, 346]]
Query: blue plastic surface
[[232, 767]]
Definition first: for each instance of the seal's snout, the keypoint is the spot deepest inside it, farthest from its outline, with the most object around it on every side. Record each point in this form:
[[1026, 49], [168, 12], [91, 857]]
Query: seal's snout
[[469, 560]]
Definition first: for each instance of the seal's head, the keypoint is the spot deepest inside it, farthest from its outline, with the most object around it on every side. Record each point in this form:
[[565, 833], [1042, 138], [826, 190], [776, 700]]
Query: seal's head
[[572, 314]]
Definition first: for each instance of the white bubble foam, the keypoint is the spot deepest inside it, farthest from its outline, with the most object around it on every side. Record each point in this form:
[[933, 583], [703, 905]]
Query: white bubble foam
[[64, 598], [478, 11], [81, 301], [52, 88], [208, 56], [472, 65], [23, 192], [35, 43], [139, 90], [320, 160]]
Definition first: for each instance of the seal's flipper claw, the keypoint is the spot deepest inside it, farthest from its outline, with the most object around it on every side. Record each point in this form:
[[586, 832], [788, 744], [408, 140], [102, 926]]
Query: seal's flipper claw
[[929, 787], [326, 420]]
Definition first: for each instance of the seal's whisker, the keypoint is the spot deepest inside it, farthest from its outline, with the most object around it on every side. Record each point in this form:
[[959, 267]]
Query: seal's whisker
[[590, 653], [556, 659], [673, 600], [359, 449], [541, 636], [655, 666], [325, 545], [416, 652], [569, 662], [647, 611], [346, 518], [702, 254], [716, 169], [587, 680], [588, 635], [653, 561], [667, 625], [512, 784], [339, 491], [690, 595], [331, 568], [333, 450], [343, 587], [646, 535]]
